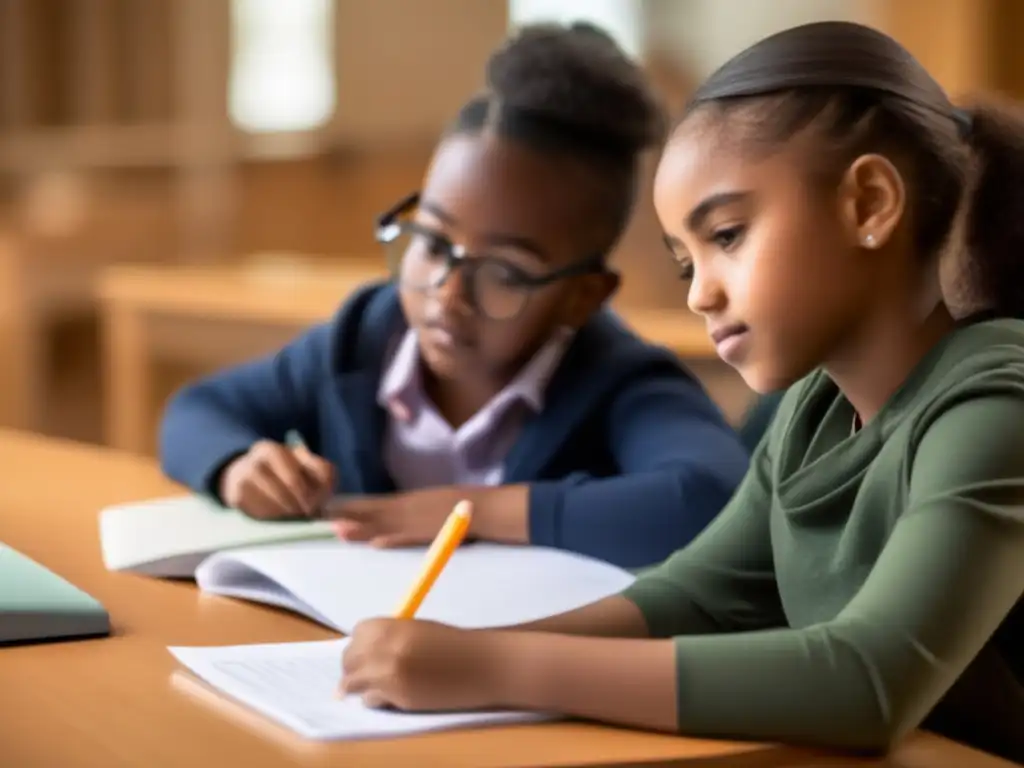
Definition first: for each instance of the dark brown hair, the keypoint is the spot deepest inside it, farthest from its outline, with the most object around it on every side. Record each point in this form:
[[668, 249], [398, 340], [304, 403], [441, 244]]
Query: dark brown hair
[[861, 91], [571, 90]]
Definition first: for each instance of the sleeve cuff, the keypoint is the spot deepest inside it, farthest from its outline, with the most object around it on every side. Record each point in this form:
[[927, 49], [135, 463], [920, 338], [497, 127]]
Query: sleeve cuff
[[547, 501], [654, 598], [210, 482]]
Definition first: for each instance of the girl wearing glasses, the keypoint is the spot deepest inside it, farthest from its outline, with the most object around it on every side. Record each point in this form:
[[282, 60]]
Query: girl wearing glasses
[[487, 369]]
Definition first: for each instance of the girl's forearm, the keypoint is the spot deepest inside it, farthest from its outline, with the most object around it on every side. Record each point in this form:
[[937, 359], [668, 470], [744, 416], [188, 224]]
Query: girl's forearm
[[612, 617], [620, 681]]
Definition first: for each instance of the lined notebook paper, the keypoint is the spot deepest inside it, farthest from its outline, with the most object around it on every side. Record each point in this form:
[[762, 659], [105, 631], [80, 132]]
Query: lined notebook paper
[[294, 684]]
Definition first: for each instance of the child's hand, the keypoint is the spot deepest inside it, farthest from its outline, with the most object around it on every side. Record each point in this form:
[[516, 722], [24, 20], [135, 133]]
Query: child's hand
[[421, 666], [396, 520], [275, 481]]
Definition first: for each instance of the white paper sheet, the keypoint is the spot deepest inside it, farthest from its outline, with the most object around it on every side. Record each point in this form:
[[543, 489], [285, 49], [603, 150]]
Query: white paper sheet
[[295, 684], [340, 584]]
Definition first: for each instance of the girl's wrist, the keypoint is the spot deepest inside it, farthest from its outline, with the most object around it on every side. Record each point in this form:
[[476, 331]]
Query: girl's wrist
[[617, 680], [512, 667], [500, 514]]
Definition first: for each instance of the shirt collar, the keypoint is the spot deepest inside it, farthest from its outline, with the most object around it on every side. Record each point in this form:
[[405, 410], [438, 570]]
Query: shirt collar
[[401, 386]]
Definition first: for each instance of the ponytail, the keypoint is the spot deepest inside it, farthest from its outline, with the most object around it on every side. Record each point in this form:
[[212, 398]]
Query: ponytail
[[994, 218]]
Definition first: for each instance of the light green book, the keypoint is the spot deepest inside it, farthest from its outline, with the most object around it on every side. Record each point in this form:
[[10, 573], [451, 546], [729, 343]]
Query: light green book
[[170, 537], [36, 604]]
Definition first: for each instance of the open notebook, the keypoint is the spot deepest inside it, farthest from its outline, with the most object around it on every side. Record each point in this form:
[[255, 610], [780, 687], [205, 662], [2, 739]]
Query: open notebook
[[295, 684], [302, 567], [169, 537], [340, 584]]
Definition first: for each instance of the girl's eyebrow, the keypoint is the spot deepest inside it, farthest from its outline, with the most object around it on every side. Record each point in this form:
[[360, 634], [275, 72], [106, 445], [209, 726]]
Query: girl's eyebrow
[[696, 218], [526, 244]]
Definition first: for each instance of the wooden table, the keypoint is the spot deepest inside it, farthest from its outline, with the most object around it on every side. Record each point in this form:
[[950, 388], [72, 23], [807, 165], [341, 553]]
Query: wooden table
[[218, 316], [122, 700]]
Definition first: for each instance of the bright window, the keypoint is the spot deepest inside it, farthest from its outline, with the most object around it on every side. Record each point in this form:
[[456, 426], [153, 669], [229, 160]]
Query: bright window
[[282, 64], [622, 19]]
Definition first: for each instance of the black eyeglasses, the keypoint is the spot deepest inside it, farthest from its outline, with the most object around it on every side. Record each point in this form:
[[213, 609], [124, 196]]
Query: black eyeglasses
[[422, 260]]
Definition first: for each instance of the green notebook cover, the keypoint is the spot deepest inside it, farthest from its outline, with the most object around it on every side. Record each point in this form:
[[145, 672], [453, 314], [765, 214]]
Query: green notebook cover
[[37, 604]]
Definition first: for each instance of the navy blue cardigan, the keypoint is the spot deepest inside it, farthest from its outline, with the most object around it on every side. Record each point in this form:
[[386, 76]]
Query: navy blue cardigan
[[628, 461]]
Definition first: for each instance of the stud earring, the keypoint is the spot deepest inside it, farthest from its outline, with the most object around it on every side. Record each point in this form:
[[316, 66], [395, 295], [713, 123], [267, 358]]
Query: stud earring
[[869, 241]]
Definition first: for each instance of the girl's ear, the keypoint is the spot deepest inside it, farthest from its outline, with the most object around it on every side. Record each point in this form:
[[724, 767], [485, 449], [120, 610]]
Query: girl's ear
[[872, 200]]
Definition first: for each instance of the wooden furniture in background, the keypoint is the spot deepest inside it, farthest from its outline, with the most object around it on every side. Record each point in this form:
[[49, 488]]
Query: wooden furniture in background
[[206, 317], [70, 225], [218, 316], [122, 700], [95, 84], [91, 85], [47, 274], [953, 39]]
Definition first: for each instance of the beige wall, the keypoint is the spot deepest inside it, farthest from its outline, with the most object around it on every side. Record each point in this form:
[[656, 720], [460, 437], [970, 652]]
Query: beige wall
[[952, 38], [405, 66], [703, 34]]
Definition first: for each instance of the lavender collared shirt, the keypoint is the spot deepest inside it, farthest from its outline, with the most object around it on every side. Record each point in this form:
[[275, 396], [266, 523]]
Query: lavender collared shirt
[[421, 449]]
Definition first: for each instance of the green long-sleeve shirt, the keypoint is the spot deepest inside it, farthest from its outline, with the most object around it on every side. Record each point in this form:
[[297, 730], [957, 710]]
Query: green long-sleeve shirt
[[858, 585]]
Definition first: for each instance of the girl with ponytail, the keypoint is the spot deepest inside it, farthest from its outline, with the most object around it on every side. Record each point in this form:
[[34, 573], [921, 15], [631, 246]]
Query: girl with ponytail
[[854, 238]]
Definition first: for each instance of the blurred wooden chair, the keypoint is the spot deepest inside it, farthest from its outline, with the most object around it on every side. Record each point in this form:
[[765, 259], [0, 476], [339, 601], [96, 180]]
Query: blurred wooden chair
[[60, 236], [204, 318]]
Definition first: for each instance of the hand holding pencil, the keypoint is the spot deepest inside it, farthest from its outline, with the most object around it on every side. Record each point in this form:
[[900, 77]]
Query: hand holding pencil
[[419, 665], [274, 481]]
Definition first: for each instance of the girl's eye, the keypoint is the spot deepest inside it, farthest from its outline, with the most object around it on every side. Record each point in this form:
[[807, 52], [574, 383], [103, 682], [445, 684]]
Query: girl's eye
[[438, 245], [501, 275], [429, 244], [728, 238], [685, 271]]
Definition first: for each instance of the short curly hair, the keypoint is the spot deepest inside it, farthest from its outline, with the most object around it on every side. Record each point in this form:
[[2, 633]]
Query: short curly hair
[[571, 90]]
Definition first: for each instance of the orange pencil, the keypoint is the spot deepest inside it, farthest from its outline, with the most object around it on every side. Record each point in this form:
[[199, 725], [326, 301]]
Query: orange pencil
[[445, 543]]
